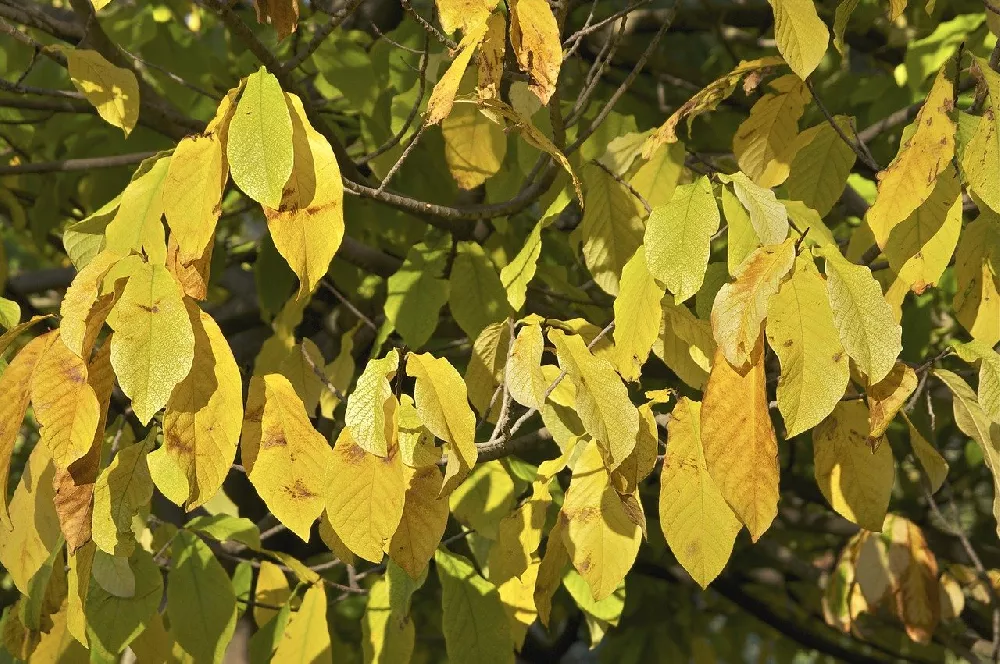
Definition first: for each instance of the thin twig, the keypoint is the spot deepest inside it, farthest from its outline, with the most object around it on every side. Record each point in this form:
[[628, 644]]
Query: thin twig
[[327, 383], [620, 180], [573, 40], [402, 158], [859, 147], [431, 30], [498, 430], [347, 303], [321, 34]]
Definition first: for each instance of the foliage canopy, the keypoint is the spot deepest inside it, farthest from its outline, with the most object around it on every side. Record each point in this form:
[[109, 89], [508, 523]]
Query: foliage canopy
[[356, 330]]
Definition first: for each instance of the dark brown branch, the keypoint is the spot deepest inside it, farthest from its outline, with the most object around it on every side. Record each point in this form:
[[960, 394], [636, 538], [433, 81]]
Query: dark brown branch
[[63, 165]]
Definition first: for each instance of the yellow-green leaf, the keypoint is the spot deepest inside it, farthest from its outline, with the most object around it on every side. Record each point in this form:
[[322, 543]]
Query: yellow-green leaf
[[113, 622], [678, 238], [367, 504], [137, 225], [989, 374], [153, 345], [308, 226], [474, 145], [307, 636], [371, 407], [741, 306], [910, 178], [192, 192], [486, 367], [656, 179], [484, 498], [476, 296], [600, 536], [802, 37], [685, 344], [930, 459], [534, 36], [763, 141], [121, 491], [867, 328], [474, 623], [699, 526], [442, 401], [112, 90], [416, 292], [977, 295], [201, 425], [822, 162], [602, 400], [741, 238], [200, 600], [741, 451], [981, 161], [855, 480], [292, 468], [259, 147], [637, 317], [611, 229], [814, 367], [767, 214]]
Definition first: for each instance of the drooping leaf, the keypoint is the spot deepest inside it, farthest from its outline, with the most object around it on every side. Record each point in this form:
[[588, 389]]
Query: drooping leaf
[[611, 229], [416, 292], [192, 192], [909, 180], [814, 365], [988, 392], [741, 451], [818, 171], [637, 317], [802, 37], [601, 398], [534, 36], [114, 622], [930, 459], [767, 214], [443, 95], [484, 498], [200, 600], [888, 396], [462, 14], [763, 141], [137, 225], [476, 296], [122, 489], [741, 306], [114, 91], [981, 161], [486, 367], [525, 381], [307, 636], [425, 516], [371, 407], [856, 481], [474, 145], [699, 526], [678, 238], [367, 505], [259, 146], [283, 15], [977, 295], [292, 468]]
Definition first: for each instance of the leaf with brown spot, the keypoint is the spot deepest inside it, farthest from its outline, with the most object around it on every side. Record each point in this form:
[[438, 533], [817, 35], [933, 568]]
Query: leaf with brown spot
[[886, 398], [423, 521], [534, 36], [366, 501], [283, 15], [292, 469]]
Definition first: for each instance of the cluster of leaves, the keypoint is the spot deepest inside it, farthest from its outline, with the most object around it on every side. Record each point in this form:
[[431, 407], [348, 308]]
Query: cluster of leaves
[[493, 404]]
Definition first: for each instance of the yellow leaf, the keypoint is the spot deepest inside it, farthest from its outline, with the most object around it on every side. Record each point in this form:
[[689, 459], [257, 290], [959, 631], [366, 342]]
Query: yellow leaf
[[15, 386], [283, 15], [80, 311], [637, 317], [517, 595], [699, 526], [910, 178], [930, 459], [308, 225], [639, 464], [915, 574], [516, 274], [685, 344], [33, 530], [491, 57], [112, 90], [297, 367], [293, 468], [8, 337], [100, 4], [600, 537], [137, 225], [192, 192], [534, 36], [818, 171], [307, 636], [602, 400], [814, 366], [155, 644], [442, 402], [989, 374], [122, 489], [656, 179], [920, 248], [474, 145], [706, 99], [888, 396], [425, 516], [65, 404], [975, 423], [611, 229], [415, 442], [153, 345], [486, 367], [58, 645], [259, 146], [74, 499], [474, 622], [856, 481], [763, 141], [388, 634], [678, 238], [463, 14], [863, 318], [272, 589], [371, 407], [525, 382], [79, 566], [484, 498], [200, 600], [767, 214], [981, 161], [519, 535], [741, 306], [443, 95], [201, 425], [977, 296], [741, 451], [366, 506], [802, 37]]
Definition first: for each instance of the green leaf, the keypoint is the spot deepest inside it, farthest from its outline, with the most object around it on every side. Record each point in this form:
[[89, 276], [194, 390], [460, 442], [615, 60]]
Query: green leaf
[[416, 293], [113, 622], [474, 624], [200, 600], [477, 296], [260, 140], [611, 229], [819, 169]]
